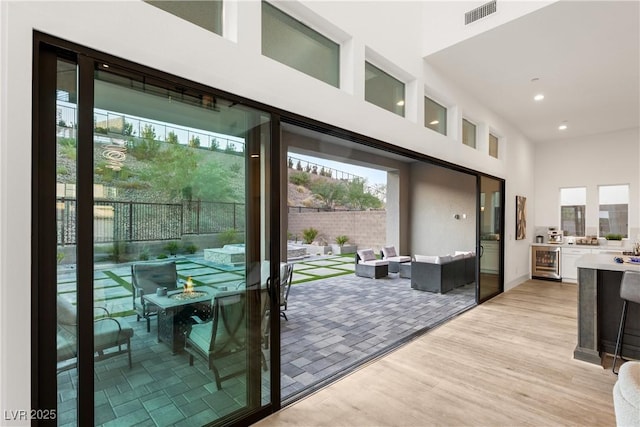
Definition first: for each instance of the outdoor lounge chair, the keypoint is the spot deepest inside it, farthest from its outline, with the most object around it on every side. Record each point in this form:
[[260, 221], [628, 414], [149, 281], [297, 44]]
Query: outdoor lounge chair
[[146, 278], [390, 254], [222, 336], [108, 333], [368, 266]]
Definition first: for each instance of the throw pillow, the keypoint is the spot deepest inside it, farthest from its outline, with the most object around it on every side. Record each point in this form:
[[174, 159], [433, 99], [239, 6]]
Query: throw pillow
[[366, 255], [389, 251]]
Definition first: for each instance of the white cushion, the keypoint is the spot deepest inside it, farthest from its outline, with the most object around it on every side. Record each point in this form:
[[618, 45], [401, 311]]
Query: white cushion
[[626, 395], [375, 262], [401, 258], [366, 255], [444, 259], [427, 258], [389, 251], [458, 257]]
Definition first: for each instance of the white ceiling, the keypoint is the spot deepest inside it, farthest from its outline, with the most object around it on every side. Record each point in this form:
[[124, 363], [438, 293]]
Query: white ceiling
[[585, 54]]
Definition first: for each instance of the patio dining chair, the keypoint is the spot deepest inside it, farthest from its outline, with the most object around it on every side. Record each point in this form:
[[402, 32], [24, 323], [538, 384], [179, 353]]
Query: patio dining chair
[[222, 336], [110, 335], [146, 278], [286, 274]]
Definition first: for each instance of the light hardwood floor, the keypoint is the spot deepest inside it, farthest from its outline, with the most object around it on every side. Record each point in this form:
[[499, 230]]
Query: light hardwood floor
[[507, 362]]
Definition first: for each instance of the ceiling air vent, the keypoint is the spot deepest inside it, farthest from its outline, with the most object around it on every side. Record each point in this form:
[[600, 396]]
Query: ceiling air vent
[[480, 12]]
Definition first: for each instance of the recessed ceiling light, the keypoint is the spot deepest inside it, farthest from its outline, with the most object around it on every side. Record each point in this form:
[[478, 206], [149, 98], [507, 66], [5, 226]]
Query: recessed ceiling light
[[435, 122], [539, 97], [400, 103], [562, 126]]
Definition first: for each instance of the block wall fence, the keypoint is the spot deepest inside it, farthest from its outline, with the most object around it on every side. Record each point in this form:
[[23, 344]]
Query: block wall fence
[[366, 229]]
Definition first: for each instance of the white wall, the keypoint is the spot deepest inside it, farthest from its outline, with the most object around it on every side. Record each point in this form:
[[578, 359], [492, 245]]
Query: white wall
[[141, 33], [444, 20], [603, 159], [437, 194]]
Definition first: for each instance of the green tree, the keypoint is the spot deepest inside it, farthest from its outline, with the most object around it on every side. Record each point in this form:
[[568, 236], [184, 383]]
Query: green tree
[[356, 195], [329, 192], [194, 142], [173, 170], [172, 138], [212, 182]]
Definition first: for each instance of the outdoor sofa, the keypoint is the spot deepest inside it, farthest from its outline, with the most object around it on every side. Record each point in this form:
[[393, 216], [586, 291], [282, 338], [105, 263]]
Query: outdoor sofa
[[442, 273]]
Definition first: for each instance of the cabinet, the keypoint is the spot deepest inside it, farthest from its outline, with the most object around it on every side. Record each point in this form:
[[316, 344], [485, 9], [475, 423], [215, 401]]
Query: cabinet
[[568, 263]]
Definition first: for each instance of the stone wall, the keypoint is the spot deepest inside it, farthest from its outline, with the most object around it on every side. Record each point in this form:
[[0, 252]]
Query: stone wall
[[366, 229]]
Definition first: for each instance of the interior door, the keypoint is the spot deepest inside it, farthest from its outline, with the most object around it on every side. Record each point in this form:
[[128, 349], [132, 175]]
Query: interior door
[[491, 237]]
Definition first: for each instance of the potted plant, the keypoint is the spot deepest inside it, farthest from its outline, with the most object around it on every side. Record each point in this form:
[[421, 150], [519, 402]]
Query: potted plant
[[341, 247], [614, 239]]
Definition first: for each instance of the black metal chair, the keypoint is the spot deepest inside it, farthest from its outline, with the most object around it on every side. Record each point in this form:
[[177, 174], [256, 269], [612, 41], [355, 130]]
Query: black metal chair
[[629, 292], [223, 336], [146, 278]]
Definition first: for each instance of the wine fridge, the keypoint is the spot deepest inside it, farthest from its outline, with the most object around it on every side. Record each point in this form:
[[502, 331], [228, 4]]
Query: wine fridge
[[545, 262]]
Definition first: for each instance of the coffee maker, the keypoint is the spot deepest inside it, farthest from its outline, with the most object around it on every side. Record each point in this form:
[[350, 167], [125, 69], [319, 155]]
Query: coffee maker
[[554, 235]]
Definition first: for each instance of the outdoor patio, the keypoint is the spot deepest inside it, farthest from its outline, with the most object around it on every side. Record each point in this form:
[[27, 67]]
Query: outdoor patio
[[336, 320]]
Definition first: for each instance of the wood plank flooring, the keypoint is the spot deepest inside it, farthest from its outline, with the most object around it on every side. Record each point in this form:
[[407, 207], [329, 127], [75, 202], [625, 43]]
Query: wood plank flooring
[[508, 362]]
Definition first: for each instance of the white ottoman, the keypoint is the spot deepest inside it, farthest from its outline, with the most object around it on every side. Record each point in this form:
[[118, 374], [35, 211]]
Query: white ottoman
[[626, 395]]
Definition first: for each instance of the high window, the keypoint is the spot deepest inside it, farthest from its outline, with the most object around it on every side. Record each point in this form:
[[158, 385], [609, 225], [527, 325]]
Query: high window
[[206, 14], [614, 210], [493, 145], [468, 133], [572, 210], [293, 43], [383, 90], [435, 116]]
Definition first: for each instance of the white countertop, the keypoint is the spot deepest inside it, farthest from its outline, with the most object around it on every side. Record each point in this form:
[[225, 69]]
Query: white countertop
[[605, 262], [599, 247]]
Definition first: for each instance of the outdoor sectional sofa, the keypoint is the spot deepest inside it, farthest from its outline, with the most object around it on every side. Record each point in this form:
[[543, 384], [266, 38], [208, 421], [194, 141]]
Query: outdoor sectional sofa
[[442, 273]]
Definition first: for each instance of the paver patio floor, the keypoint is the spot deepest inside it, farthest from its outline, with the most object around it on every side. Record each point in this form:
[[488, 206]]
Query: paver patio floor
[[334, 324]]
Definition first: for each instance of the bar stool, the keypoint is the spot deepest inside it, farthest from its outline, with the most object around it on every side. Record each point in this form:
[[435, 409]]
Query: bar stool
[[629, 292]]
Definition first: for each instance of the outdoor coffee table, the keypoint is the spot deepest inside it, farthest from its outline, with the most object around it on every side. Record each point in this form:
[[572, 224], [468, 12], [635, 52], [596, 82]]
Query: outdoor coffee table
[[175, 310]]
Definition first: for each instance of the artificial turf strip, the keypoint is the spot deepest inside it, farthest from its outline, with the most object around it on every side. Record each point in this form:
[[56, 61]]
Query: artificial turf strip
[[119, 279], [312, 278]]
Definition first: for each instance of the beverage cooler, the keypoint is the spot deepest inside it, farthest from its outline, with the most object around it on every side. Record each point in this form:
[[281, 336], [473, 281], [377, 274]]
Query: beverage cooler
[[545, 262]]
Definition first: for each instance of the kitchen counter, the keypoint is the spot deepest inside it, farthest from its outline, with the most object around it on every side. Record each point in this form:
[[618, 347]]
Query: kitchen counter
[[599, 309]]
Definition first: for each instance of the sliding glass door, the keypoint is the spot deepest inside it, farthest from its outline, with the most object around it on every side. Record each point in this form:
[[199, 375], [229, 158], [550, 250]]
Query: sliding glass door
[[491, 244], [162, 244]]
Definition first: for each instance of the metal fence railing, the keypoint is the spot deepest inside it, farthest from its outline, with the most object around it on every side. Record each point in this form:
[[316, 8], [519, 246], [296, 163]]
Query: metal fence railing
[[115, 221]]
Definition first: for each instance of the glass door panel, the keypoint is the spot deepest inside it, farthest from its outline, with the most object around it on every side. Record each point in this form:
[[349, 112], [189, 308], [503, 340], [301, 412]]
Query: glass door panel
[[66, 278], [179, 251], [491, 238]]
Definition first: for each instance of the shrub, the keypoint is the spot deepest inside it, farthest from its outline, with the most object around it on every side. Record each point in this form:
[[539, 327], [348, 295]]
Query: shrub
[[190, 248], [194, 142], [341, 240], [309, 235], [228, 237], [613, 236], [172, 247], [172, 138], [144, 254], [299, 178], [117, 251], [162, 256]]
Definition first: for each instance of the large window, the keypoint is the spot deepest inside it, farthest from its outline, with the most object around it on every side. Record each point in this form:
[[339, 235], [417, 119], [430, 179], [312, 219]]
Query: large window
[[493, 145], [206, 14], [383, 90], [468, 133], [294, 44], [614, 210], [435, 116], [572, 210]]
